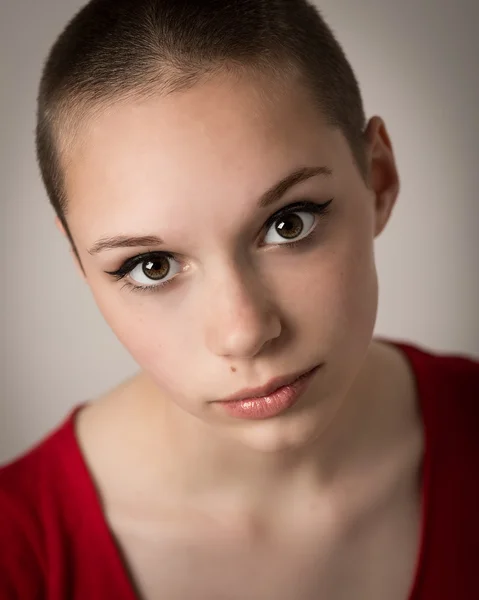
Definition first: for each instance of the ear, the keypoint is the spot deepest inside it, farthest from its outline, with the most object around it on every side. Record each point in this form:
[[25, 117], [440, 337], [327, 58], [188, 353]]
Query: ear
[[61, 229], [383, 178]]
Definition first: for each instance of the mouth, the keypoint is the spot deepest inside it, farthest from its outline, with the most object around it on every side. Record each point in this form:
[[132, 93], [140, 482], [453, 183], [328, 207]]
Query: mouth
[[271, 400], [270, 387]]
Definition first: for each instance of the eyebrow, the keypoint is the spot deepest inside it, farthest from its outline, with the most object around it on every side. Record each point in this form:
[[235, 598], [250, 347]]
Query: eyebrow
[[269, 197]]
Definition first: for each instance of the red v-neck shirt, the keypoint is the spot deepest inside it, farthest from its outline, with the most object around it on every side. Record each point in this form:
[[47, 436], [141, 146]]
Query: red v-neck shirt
[[55, 543]]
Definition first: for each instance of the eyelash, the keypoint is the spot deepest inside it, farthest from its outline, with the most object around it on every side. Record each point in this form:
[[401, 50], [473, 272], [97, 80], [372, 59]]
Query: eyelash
[[303, 206]]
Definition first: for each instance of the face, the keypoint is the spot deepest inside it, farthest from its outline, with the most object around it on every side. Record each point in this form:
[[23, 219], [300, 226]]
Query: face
[[213, 276]]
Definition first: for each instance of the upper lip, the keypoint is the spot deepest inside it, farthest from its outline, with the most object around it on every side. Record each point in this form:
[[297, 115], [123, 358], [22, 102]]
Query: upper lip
[[270, 387]]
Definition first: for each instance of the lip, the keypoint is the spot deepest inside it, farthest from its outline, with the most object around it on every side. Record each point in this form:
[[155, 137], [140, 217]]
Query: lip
[[269, 388], [273, 404]]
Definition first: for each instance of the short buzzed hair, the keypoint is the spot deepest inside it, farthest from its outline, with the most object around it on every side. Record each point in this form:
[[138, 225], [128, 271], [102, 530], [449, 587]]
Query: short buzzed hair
[[113, 50]]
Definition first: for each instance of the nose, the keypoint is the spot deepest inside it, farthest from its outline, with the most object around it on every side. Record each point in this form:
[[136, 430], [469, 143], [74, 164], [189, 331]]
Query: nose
[[240, 316]]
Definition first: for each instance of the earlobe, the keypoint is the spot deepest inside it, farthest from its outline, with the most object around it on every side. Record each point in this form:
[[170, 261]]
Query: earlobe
[[383, 175], [59, 226], [61, 229]]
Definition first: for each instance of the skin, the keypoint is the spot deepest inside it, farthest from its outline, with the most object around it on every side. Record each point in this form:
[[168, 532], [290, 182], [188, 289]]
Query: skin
[[242, 309]]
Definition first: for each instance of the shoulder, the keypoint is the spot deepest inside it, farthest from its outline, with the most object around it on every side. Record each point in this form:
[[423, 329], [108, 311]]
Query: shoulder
[[30, 504], [21, 549], [448, 395], [449, 375], [27, 502], [24, 477]]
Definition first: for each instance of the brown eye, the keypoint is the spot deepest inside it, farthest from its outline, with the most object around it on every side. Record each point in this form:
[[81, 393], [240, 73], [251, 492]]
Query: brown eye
[[159, 269], [290, 227], [156, 269]]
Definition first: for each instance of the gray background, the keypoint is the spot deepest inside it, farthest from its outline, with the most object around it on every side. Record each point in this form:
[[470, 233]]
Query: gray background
[[417, 64]]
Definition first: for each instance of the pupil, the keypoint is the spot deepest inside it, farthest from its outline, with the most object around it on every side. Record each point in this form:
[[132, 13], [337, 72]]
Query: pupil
[[156, 269], [290, 227]]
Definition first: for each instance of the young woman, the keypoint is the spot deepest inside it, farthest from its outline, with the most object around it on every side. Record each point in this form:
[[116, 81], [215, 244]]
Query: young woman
[[212, 168]]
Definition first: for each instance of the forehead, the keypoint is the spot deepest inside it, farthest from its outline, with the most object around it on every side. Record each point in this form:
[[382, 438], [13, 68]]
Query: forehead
[[227, 138]]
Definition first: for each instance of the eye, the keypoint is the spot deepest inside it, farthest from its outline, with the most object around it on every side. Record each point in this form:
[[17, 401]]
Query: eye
[[151, 270], [295, 222], [155, 270], [293, 226]]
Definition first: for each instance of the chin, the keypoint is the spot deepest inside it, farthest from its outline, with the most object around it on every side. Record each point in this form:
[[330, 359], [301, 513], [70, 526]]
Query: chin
[[279, 435]]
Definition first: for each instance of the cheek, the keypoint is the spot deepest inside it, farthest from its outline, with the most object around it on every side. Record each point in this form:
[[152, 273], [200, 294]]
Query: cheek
[[157, 342], [334, 288], [336, 295]]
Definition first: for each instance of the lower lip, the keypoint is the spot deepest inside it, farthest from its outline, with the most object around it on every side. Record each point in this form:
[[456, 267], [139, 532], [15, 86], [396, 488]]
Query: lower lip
[[272, 405]]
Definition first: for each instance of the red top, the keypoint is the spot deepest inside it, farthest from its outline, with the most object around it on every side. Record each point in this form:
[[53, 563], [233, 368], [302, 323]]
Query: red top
[[55, 543]]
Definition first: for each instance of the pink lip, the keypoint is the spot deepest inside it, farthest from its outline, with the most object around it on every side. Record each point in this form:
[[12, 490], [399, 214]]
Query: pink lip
[[271, 404], [267, 389]]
